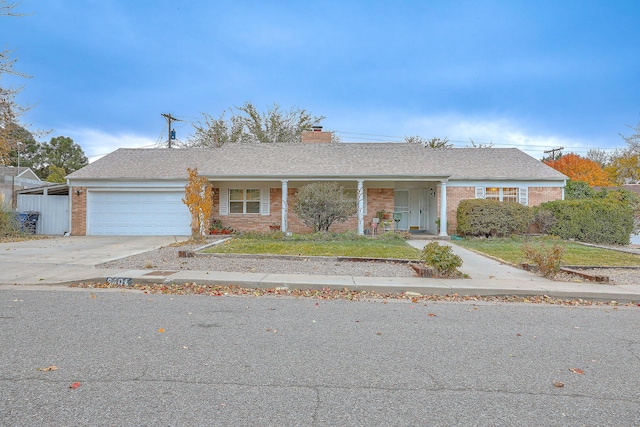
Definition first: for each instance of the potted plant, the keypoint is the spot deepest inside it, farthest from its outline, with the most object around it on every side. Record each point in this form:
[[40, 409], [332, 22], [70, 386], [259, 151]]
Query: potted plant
[[216, 226], [382, 215]]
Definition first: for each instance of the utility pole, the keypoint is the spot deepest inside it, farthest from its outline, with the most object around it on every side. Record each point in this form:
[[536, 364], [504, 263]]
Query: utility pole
[[553, 152], [171, 135]]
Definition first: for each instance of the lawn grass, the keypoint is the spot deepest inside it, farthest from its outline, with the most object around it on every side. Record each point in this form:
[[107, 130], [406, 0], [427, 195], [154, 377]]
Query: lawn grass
[[365, 247], [510, 250]]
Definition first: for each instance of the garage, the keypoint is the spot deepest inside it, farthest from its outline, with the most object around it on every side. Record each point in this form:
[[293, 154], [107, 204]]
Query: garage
[[137, 213]]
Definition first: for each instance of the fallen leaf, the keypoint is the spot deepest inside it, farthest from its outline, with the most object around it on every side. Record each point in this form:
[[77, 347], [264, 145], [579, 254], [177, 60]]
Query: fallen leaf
[[414, 299], [48, 368], [577, 371], [558, 384], [75, 385], [378, 333], [93, 296], [432, 315], [161, 330], [518, 335]]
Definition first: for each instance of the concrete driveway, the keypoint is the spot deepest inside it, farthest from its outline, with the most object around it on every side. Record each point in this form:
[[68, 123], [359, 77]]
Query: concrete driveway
[[65, 259]]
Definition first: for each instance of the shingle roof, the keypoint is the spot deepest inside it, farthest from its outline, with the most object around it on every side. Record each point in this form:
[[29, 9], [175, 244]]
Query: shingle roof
[[265, 161]]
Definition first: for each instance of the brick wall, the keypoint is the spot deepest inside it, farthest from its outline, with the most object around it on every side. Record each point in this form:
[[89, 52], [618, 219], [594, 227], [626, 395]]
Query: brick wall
[[78, 211], [377, 198], [454, 195], [539, 195]]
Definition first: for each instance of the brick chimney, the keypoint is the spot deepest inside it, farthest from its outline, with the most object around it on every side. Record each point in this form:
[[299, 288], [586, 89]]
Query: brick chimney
[[316, 136]]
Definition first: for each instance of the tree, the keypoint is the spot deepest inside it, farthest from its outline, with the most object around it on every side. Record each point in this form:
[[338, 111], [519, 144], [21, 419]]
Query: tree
[[580, 169], [56, 174], [320, 204], [198, 197], [474, 144], [10, 110], [601, 157], [247, 124], [624, 166], [633, 140], [26, 150], [578, 190], [428, 143], [62, 152]]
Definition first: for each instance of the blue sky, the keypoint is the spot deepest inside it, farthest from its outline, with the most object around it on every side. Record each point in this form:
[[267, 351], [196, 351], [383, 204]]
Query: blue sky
[[528, 74]]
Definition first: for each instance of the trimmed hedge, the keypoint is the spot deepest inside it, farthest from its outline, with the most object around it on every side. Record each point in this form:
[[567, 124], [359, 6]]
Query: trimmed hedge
[[480, 217], [592, 220]]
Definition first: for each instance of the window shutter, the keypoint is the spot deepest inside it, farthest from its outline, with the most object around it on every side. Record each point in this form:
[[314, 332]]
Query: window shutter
[[224, 201], [265, 201], [523, 195], [479, 192]]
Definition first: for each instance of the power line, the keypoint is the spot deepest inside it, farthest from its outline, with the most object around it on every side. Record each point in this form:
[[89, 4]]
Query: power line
[[172, 135]]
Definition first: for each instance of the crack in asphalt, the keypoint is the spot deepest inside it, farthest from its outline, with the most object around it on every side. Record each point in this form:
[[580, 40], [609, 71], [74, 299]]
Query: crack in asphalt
[[318, 388]]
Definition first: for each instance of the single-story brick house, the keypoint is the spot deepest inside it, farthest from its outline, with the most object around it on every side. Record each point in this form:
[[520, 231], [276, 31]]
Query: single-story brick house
[[140, 191]]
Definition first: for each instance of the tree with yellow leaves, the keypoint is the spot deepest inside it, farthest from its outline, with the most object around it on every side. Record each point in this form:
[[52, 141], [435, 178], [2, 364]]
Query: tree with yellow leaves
[[198, 197]]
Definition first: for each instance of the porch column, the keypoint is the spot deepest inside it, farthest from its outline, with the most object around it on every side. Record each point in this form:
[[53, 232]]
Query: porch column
[[443, 209], [285, 206], [360, 207]]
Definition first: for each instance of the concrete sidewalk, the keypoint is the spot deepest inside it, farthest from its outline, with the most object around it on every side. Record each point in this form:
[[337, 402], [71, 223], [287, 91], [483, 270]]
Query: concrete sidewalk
[[74, 259]]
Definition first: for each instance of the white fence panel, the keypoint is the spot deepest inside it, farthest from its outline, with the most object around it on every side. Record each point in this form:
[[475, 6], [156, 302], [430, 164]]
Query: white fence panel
[[54, 212]]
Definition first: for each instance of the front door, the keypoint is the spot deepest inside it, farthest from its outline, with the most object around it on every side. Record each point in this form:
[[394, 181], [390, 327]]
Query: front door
[[413, 204]]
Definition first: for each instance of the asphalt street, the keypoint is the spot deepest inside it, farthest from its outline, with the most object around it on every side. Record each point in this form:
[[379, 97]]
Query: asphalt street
[[143, 359]]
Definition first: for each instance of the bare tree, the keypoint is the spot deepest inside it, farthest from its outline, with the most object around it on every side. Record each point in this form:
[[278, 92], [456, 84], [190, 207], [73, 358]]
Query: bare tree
[[474, 144], [10, 110], [599, 156], [247, 124], [633, 141], [428, 143]]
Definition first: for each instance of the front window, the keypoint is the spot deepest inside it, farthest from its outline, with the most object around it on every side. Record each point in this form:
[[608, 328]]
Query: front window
[[244, 200], [502, 194]]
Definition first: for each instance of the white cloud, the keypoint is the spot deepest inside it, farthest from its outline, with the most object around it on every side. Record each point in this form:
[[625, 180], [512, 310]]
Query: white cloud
[[96, 143], [502, 133]]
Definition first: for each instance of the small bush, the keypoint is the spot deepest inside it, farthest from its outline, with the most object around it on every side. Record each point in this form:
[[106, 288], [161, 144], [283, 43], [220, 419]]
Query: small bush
[[480, 217], [601, 221], [441, 259], [546, 254], [9, 224]]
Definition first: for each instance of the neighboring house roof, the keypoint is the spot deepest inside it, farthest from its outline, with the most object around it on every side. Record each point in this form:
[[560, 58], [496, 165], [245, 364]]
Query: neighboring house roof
[[339, 160], [26, 173]]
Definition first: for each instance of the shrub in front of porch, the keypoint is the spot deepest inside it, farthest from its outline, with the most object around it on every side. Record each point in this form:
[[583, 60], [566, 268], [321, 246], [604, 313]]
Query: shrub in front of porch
[[320, 204], [491, 218]]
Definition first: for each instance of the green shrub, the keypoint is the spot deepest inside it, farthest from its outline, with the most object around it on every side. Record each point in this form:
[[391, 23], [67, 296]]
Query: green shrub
[[480, 217], [601, 221], [441, 258], [578, 190], [546, 254]]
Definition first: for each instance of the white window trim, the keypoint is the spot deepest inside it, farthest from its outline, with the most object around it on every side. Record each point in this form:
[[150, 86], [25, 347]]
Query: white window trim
[[522, 194], [264, 200]]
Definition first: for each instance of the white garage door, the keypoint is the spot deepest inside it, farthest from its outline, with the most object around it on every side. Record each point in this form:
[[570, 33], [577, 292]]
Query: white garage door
[[131, 213]]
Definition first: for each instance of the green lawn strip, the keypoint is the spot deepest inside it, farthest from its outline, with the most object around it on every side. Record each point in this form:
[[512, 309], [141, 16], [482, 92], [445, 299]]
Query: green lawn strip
[[369, 248], [510, 250]]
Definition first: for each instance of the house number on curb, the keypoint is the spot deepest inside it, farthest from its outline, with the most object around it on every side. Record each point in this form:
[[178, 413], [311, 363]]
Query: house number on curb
[[120, 281]]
